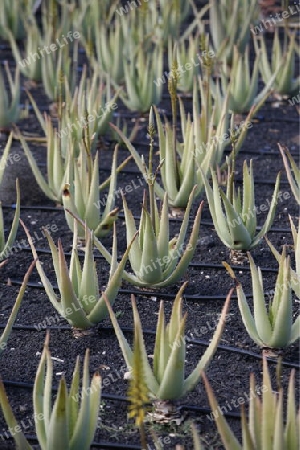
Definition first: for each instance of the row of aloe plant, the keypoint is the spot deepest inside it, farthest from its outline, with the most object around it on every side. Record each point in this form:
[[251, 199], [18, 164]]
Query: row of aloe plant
[[138, 63]]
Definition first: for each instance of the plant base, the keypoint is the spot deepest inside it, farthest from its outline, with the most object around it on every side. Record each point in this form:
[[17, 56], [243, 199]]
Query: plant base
[[177, 212], [166, 412], [238, 257]]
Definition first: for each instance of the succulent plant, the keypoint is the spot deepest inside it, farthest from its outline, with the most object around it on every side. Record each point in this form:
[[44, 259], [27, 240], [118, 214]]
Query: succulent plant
[[243, 85], [236, 226], [139, 72], [72, 421], [265, 428], [155, 260], [282, 63], [290, 167], [11, 320], [229, 25], [80, 302], [295, 274], [273, 328], [9, 103], [166, 380], [81, 194]]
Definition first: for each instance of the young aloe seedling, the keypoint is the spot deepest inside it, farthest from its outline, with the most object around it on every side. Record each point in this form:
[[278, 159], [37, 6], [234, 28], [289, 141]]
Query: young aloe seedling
[[273, 328], [80, 302], [234, 217], [282, 63], [72, 421]]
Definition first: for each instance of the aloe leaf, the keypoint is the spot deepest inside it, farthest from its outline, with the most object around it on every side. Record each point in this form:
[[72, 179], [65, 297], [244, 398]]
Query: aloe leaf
[[92, 213], [20, 440], [14, 227], [125, 348], [270, 217], [135, 254], [261, 317], [193, 378], [187, 255], [72, 310], [73, 398], [89, 289], [295, 331], [43, 184], [45, 281], [163, 235], [291, 430], [225, 432], [171, 385], [149, 255], [58, 431], [42, 395], [284, 316], [7, 330], [269, 402], [161, 350], [79, 438], [247, 317], [4, 156], [113, 286]]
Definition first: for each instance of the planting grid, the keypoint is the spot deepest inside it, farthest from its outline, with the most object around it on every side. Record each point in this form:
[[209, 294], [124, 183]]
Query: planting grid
[[204, 296]]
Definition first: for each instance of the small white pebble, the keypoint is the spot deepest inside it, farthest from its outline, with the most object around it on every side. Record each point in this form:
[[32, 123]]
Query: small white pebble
[[207, 276], [104, 352]]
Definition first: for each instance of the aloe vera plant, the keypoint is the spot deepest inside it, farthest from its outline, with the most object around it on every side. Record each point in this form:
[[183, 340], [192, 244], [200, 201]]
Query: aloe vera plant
[[243, 84], [295, 274], [166, 380], [234, 217], [11, 320], [292, 171], [139, 73], [81, 195], [9, 103], [273, 328], [265, 428], [71, 422], [79, 301], [229, 24], [282, 62]]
